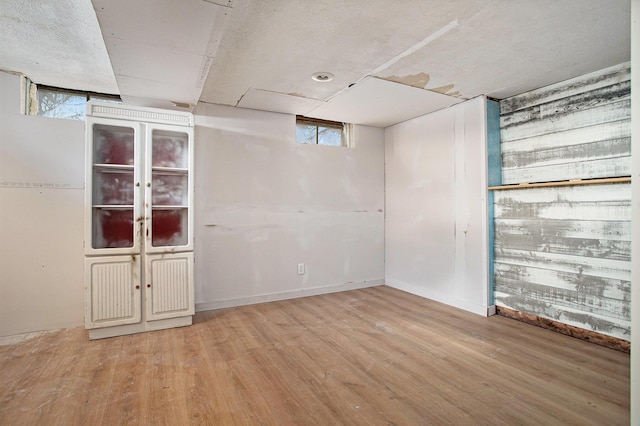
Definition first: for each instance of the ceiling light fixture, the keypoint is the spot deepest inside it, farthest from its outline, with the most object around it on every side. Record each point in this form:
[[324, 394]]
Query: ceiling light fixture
[[322, 77]]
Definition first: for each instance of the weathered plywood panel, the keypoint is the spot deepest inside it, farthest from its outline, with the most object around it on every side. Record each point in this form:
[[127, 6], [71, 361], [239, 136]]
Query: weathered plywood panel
[[588, 116], [578, 129], [618, 166], [584, 266], [565, 237], [591, 151], [563, 253], [611, 308], [608, 95], [567, 88], [605, 202], [575, 317], [575, 136]]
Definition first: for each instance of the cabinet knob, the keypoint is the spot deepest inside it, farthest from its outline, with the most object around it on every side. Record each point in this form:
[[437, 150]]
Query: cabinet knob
[[148, 184], [148, 285], [137, 287], [137, 183]]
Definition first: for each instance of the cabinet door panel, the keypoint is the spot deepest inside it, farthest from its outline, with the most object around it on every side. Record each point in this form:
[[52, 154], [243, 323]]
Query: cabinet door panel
[[168, 188], [169, 285], [112, 291], [113, 187]]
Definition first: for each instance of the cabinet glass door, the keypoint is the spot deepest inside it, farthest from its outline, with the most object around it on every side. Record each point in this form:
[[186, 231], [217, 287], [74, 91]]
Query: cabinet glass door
[[169, 154], [113, 183]]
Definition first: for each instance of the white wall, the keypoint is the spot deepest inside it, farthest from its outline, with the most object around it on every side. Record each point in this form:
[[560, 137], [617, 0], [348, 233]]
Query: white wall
[[436, 186], [41, 218], [635, 212], [265, 204]]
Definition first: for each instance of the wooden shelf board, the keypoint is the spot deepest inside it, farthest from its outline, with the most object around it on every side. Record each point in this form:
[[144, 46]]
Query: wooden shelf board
[[598, 181]]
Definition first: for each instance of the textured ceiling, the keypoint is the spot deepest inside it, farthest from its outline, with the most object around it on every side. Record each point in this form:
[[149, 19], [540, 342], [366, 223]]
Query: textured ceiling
[[262, 54], [56, 43], [463, 48]]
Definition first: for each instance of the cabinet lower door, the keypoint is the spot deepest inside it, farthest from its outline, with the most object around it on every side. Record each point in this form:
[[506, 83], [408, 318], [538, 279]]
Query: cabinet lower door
[[169, 285], [112, 291]]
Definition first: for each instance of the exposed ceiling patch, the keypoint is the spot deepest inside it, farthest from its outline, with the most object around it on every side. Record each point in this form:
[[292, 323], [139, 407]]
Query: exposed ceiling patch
[[443, 89], [419, 80]]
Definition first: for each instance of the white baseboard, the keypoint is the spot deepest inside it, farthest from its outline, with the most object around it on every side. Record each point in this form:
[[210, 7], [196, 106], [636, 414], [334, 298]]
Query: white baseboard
[[272, 297], [465, 305], [491, 310]]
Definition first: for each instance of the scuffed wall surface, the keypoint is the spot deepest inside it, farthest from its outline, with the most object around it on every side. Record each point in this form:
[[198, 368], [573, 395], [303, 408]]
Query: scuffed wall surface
[[41, 218], [563, 253], [265, 204], [436, 225]]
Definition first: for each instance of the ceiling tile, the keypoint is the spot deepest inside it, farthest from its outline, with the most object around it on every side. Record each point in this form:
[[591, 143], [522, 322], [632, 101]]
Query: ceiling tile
[[381, 103], [139, 88], [169, 42], [277, 102]]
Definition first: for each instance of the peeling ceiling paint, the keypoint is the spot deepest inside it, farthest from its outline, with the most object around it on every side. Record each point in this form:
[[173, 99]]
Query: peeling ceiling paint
[[419, 80]]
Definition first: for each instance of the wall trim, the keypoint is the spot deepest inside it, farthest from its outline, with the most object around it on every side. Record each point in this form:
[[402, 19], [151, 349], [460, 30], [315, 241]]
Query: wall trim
[[570, 330], [439, 297], [273, 297]]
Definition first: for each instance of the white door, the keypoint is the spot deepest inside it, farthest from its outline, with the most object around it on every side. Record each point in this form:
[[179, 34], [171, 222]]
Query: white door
[[169, 285], [113, 291], [168, 188]]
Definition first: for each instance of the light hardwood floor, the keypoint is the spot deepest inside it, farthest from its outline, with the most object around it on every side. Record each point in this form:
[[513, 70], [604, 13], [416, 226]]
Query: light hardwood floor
[[375, 356]]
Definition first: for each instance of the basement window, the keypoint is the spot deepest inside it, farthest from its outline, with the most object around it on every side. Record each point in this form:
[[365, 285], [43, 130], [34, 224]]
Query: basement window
[[55, 102], [313, 131]]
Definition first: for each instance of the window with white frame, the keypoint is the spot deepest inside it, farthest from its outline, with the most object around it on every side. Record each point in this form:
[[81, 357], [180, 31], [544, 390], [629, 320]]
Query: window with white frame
[[313, 131]]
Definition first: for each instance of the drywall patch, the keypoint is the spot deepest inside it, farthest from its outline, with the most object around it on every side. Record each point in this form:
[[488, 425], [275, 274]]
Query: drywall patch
[[419, 80], [444, 89]]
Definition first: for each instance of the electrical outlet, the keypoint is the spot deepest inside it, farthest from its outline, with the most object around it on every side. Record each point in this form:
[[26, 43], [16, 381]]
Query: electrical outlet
[[300, 268]]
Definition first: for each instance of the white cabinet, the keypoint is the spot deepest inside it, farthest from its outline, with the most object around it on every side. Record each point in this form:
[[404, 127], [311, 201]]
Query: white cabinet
[[138, 219]]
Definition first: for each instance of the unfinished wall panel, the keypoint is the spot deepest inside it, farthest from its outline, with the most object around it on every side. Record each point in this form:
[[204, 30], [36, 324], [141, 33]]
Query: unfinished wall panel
[[577, 129], [265, 203], [563, 252], [436, 206], [41, 208]]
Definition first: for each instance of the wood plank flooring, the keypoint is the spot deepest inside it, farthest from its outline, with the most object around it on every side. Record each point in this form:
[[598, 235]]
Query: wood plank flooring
[[375, 356]]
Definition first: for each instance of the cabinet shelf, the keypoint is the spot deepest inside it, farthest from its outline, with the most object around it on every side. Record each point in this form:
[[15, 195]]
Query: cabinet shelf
[[113, 206], [113, 167], [161, 207], [169, 171]]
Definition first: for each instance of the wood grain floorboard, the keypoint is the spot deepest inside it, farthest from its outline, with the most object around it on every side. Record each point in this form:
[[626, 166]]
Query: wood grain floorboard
[[375, 356]]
